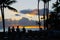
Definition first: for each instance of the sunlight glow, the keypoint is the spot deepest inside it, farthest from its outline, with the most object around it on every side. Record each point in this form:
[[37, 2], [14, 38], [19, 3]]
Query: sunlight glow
[[15, 26]]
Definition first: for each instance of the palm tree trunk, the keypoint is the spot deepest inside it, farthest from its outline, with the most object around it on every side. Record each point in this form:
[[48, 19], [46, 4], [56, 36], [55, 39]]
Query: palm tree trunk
[[2, 12], [57, 16], [47, 13], [38, 14], [44, 15]]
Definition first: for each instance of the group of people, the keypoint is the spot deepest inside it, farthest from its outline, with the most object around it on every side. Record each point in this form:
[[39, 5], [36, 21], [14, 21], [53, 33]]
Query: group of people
[[17, 34], [16, 30]]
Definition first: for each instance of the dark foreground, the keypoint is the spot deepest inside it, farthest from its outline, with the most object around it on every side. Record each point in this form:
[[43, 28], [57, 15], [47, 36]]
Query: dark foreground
[[30, 35]]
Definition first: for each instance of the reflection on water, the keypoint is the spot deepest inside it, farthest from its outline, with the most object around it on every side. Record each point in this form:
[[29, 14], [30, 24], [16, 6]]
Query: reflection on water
[[33, 29]]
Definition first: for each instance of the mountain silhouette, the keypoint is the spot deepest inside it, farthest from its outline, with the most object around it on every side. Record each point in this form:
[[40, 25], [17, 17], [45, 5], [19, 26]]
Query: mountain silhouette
[[26, 11], [22, 22], [27, 22]]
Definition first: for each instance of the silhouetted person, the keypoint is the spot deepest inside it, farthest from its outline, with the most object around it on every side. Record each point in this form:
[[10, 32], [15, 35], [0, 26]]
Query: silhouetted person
[[13, 29], [18, 34], [23, 30], [13, 33], [29, 31], [40, 29], [9, 33], [17, 29], [9, 29]]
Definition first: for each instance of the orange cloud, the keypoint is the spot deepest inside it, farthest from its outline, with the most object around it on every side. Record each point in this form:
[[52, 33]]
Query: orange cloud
[[34, 12]]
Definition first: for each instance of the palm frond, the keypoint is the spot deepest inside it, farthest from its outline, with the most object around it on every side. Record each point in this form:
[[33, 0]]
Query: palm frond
[[11, 8], [55, 4], [59, 0], [6, 1], [10, 2], [57, 9], [45, 1], [1, 1], [39, 0]]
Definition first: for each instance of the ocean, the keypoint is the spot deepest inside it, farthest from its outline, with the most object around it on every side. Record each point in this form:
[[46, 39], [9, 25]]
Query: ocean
[[33, 29]]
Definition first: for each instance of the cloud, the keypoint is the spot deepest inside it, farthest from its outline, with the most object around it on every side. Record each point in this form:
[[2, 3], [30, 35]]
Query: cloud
[[17, 15], [26, 11], [33, 12], [21, 22], [28, 16], [8, 13], [13, 18]]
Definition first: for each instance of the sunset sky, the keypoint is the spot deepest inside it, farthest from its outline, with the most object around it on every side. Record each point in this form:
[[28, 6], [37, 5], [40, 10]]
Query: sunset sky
[[30, 4], [23, 5]]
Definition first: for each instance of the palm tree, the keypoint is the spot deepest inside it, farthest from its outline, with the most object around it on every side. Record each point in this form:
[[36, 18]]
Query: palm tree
[[4, 4], [56, 7], [46, 11], [38, 14]]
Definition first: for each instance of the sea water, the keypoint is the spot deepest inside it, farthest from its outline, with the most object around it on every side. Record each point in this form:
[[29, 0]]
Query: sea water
[[33, 29]]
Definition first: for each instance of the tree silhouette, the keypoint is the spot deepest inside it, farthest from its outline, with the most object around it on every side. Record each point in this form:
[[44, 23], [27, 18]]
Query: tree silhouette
[[4, 4], [56, 7], [51, 21], [46, 11], [54, 20], [38, 14]]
